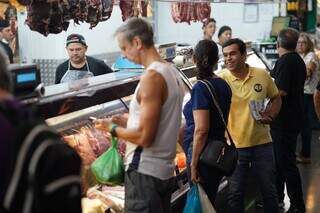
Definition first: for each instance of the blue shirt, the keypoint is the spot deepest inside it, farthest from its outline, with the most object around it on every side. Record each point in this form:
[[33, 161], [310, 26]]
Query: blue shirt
[[201, 100]]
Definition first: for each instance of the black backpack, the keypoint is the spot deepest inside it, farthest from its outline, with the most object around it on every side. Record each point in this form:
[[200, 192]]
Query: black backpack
[[27, 153]]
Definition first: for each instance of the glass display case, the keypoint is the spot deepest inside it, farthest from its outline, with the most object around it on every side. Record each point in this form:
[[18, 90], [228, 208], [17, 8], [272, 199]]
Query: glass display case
[[68, 108]]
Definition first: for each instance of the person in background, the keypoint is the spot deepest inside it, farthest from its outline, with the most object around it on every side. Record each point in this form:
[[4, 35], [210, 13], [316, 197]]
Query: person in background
[[202, 117], [6, 36], [153, 123], [209, 28], [76, 47], [39, 173], [316, 100], [306, 51], [290, 75], [224, 34], [250, 135]]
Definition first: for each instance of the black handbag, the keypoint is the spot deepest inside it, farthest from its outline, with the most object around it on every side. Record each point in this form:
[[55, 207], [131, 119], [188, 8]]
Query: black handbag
[[218, 154]]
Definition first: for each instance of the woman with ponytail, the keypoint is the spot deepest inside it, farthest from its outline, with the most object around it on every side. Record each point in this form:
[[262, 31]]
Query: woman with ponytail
[[202, 118]]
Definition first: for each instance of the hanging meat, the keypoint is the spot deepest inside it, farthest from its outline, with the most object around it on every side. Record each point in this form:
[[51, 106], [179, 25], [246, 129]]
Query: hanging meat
[[202, 11], [94, 12], [107, 6], [45, 18], [53, 16], [182, 11], [134, 8], [90, 11], [190, 11]]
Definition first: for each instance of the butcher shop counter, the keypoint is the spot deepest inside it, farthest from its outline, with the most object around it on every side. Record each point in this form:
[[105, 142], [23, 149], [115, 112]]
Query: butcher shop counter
[[68, 108]]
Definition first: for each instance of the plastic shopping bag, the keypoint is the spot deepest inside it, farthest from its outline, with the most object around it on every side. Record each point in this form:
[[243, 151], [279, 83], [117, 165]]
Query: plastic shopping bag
[[206, 205], [109, 167], [193, 204]]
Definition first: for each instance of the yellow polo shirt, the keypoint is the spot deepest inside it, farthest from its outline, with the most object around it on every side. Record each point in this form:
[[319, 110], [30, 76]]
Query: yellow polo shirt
[[258, 85]]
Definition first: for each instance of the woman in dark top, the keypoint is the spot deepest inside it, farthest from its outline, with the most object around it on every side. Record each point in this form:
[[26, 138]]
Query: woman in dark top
[[202, 118]]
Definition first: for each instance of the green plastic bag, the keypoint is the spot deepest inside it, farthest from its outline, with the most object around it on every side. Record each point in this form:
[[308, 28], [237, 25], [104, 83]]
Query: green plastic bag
[[109, 167]]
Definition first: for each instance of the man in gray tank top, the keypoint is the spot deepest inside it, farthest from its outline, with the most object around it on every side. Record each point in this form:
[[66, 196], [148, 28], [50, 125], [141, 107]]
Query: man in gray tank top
[[153, 123]]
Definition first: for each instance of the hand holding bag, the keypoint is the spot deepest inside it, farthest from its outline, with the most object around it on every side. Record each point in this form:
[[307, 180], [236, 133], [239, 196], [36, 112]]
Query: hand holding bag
[[219, 154], [109, 167]]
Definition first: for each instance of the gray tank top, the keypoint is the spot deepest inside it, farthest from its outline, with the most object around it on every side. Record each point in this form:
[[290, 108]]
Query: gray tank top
[[158, 159]]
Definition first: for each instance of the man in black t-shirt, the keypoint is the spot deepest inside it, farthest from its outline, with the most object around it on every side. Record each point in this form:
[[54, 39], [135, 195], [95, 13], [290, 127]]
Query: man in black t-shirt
[[289, 74], [78, 61], [316, 99]]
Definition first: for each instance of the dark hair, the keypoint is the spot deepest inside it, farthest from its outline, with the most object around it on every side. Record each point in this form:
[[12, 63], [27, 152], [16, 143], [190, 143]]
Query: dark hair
[[206, 57], [223, 29], [288, 38], [239, 42], [208, 21], [137, 27], [5, 77]]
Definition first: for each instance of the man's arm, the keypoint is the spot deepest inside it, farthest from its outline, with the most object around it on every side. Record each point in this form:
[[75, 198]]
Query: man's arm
[[272, 110], [151, 96], [60, 71], [107, 68], [103, 67], [57, 77], [274, 106], [316, 99]]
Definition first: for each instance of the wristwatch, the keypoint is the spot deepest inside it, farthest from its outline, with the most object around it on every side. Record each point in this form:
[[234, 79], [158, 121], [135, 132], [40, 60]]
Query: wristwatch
[[112, 130]]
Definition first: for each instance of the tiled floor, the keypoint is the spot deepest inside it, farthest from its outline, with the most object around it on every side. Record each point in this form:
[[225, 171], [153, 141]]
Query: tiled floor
[[310, 176]]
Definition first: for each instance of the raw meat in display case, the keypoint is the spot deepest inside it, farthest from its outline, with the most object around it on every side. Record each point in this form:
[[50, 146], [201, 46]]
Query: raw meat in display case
[[90, 143]]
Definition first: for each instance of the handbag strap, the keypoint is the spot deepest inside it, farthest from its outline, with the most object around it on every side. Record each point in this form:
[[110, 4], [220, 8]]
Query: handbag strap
[[216, 103]]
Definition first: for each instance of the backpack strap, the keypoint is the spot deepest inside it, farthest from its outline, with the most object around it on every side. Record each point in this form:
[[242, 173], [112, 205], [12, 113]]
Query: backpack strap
[[22, 155], [31, 192]]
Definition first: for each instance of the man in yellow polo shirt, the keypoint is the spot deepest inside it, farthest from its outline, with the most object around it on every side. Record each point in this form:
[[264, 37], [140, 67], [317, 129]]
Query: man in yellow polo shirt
[[251, 135]]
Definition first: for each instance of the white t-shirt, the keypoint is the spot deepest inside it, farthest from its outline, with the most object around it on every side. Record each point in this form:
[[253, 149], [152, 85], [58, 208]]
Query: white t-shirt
[[158, 159], [311, 82]]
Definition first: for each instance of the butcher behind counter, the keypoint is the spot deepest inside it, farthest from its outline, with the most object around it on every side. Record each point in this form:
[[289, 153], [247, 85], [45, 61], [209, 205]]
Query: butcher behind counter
[[79, 65]]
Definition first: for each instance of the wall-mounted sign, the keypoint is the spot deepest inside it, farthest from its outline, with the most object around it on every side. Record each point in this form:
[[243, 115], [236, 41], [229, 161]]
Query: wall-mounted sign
[[250, 12]]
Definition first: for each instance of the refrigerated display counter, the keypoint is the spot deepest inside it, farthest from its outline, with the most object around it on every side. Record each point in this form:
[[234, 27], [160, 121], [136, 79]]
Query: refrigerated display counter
[[67, 108]]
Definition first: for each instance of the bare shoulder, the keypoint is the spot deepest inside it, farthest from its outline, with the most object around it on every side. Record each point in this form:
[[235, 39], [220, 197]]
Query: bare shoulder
[[154, 78], [153, 86]]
